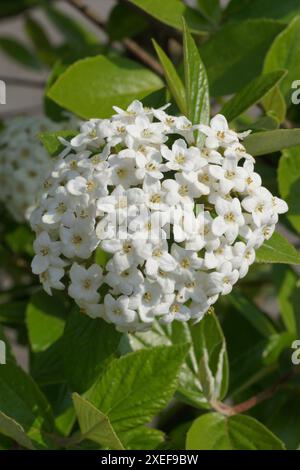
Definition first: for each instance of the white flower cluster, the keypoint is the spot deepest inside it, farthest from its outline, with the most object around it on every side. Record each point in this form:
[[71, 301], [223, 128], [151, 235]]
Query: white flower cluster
[[179, 224], [23, 162]]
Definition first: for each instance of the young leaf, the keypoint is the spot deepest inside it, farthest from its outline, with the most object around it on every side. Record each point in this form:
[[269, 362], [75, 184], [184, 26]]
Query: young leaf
[[51, 141], [45, 318], [189, 385], [277, 250], [228, 67], [262, 143], [251, 94], [213, 431], [92, 86], [89, 344], [171, 12], [18, 52], [196, 83], [284, 54], [94, 425], [289, 184], [137, 386], [22, 401], [173, 80], [211, 354]]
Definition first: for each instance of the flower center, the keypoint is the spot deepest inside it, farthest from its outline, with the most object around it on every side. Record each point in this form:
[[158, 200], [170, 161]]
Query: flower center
[[147, 297], [230, 217], [76, 239], [185, 263]]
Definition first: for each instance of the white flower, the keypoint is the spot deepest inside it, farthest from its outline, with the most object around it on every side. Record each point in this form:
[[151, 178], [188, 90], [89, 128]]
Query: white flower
[[182, 158], [175, 310], [149, 164], [51, 279], [85, 283], [218, 133], [229, 219], [118, 311], [224, 279], [78, 240], [123, 168], [243, 257], [46, 254], [125, 282], [160, 259], [146, 132]]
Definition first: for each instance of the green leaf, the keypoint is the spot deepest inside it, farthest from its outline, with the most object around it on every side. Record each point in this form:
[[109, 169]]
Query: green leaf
[[211, 354], [22, 401], [51, 141], [289, 187], [197, 93], [137, 386], [189, 386], [210, 9], [277, 250], [214, 431], [95, 425], [265, 123], [243, 9], [256, 317], [74, 33], [92, 86], [40, 40], [171, 12], [288, 294], [45, 318], [174, 82], [18, 52], [90, 344], [142, 438], [262, 143], [12, 429], [251, 94], [125, 22], [284, 54], [228, 53], [274, 102]]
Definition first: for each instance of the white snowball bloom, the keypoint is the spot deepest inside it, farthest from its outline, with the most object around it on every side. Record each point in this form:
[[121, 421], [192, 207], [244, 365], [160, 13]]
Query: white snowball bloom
[[178, 225], [85, 283], [24, 162]]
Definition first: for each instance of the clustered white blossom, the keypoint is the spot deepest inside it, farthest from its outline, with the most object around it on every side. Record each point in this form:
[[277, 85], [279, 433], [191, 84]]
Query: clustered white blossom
[[131, 186], [24, 162]]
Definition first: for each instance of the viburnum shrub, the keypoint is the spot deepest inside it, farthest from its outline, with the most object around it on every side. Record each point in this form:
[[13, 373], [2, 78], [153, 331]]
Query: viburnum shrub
[[149, 291], [180, 224], [24, 162]]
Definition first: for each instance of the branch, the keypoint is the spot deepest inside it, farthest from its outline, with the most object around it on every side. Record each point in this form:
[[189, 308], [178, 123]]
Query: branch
[[132, 46], [256, 399]]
